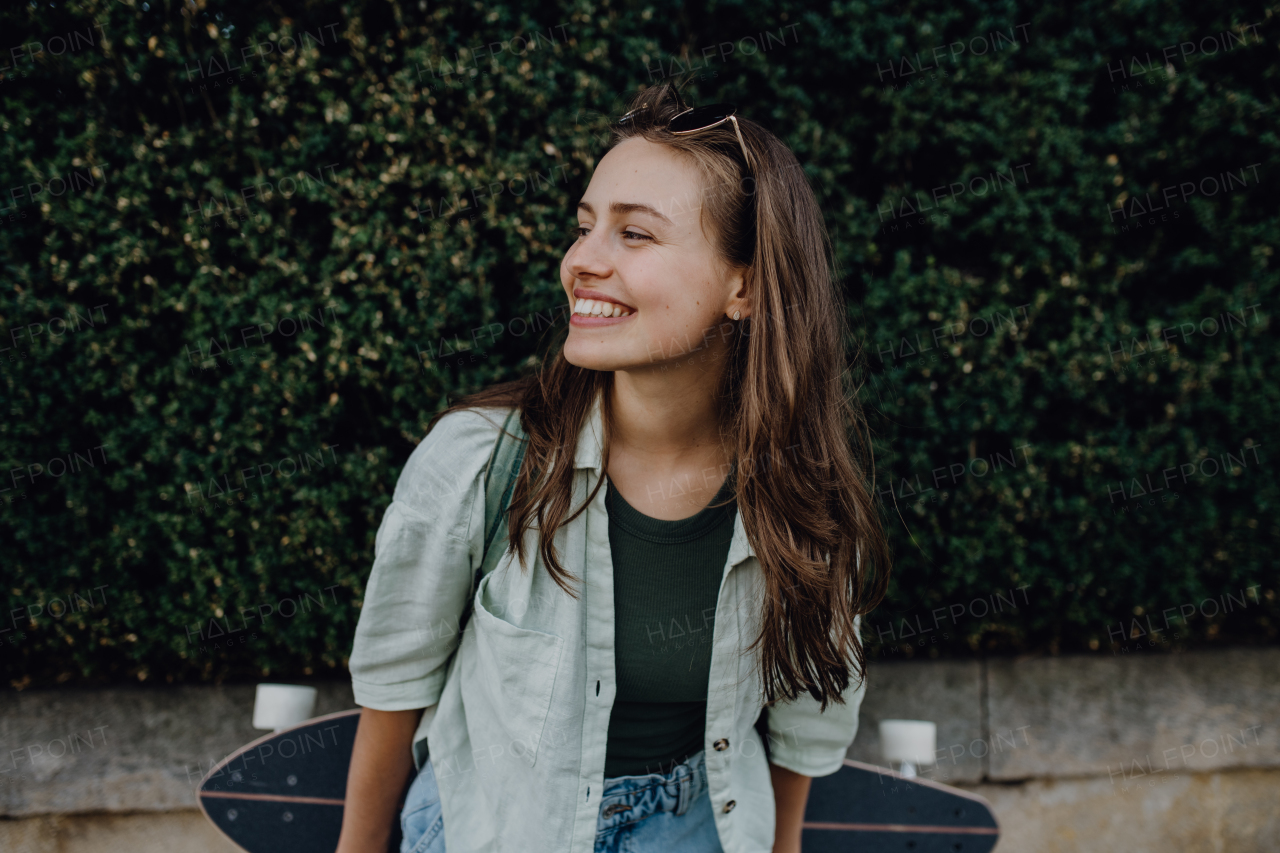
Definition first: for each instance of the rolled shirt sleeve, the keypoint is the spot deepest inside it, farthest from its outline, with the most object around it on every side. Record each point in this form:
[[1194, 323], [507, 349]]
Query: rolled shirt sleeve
[[425, 555], [813, 743]]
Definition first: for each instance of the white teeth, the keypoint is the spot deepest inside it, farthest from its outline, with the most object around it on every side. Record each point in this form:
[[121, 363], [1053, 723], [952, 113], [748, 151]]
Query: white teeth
[[599, 308]]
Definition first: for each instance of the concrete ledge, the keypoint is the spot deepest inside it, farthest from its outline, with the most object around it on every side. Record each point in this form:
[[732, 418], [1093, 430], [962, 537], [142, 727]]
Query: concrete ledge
[[947, 692], [184, 831], [123, 749], [1098, 753], [1120, 716], [1074, 717], [1231, 812]]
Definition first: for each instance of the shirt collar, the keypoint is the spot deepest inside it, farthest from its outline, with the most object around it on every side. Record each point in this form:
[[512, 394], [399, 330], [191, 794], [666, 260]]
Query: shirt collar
[[591, 438], [588, 455]]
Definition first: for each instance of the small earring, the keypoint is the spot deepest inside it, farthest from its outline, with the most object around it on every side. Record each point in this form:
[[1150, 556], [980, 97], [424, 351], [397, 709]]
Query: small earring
[[737, 314]]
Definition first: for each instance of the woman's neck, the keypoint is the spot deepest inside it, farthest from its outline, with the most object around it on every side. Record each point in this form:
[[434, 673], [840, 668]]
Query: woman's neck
[[660, 416], [665, 454]]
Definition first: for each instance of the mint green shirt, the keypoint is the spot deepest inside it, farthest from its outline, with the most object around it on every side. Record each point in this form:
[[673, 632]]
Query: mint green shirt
[[518, 709]]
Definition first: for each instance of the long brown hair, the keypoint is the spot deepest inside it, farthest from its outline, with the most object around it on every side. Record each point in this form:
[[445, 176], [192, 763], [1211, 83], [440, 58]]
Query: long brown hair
[[804, 471]]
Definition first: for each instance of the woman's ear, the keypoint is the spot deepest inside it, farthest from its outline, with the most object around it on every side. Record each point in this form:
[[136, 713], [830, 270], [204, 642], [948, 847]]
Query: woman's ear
[[739, 302]]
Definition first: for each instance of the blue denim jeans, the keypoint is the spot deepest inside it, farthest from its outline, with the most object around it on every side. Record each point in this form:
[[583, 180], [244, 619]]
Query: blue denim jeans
[[656, 813]]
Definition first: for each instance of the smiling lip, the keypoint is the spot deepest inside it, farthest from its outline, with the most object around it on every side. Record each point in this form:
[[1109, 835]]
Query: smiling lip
[[594, 303]]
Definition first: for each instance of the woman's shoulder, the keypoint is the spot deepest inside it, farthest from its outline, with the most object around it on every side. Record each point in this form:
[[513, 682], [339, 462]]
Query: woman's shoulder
[[451, 456], [461, 424]]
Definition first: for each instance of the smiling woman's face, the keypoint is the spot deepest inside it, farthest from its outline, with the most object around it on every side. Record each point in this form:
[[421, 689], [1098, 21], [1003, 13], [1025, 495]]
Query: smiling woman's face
[[641, 255]]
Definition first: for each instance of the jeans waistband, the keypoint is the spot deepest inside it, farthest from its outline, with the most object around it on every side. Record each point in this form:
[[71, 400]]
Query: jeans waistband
[[631, 798]]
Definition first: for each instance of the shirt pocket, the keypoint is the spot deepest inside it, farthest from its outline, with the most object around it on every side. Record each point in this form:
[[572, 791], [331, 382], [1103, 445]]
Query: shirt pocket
[[509, 690]]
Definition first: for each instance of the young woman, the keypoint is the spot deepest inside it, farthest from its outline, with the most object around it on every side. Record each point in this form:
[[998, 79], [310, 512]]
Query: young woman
[[690, 545]]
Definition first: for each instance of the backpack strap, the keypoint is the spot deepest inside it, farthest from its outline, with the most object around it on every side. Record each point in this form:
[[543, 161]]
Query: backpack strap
[[499, 482]]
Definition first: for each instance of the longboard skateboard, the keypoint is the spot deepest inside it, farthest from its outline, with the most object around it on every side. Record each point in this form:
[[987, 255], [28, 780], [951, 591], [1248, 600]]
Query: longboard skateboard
[[285, 792], [862, 807]]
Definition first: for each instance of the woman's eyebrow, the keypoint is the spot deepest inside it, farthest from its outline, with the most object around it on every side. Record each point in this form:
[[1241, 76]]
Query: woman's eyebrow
[[624, 207]]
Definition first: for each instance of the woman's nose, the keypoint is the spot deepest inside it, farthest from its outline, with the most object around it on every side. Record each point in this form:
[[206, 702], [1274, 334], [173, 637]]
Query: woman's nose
[[589, 258]]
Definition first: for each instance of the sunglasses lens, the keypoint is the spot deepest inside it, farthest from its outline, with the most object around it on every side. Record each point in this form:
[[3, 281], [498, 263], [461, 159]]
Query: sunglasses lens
[[701, 117]]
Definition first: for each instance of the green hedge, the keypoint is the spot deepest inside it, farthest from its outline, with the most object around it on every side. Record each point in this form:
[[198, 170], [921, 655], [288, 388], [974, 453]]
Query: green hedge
[[250, 249]]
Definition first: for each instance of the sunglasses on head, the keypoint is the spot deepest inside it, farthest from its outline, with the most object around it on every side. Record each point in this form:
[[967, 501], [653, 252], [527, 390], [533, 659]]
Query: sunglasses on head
[[698, 119]]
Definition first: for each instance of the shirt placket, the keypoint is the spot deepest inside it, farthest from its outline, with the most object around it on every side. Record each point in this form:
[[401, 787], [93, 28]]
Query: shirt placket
[[601, 681], [723, 685]]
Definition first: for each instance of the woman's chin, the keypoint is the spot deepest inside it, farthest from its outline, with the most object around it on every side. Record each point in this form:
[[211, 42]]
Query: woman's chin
[[591, 355]]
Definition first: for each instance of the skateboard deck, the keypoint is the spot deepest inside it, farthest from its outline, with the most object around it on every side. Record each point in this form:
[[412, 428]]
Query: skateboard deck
[[285, 791], [870, 809]]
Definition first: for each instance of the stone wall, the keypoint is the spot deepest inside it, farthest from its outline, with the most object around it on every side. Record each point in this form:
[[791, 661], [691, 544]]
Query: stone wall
[[1133, 754], [140, 749]]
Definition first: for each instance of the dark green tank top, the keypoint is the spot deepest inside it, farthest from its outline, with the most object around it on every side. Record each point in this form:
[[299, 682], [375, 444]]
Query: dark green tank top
[[666, 580]]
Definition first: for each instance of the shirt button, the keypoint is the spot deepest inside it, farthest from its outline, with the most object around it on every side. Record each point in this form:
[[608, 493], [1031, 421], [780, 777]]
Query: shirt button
[[721, 745], [728, 807]]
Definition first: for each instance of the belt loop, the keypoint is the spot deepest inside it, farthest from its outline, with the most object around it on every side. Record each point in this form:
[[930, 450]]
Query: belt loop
[[684, 795]]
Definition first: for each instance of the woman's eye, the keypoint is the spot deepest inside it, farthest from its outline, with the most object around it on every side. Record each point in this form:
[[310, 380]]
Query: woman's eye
[[580, 231]]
